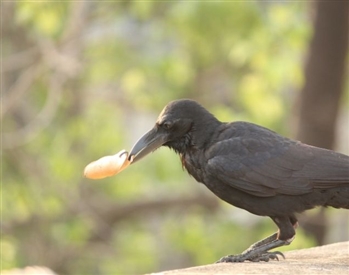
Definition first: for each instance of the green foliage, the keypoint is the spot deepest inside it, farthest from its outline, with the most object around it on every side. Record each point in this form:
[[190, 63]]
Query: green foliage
[[242, 60], [45, 18]]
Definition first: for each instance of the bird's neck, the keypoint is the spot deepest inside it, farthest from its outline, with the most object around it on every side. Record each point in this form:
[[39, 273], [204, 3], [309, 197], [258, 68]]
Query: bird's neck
[[199, 136], [181, 145]]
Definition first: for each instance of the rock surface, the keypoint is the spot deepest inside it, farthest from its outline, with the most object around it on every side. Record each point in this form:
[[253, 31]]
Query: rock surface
[[327, 259]]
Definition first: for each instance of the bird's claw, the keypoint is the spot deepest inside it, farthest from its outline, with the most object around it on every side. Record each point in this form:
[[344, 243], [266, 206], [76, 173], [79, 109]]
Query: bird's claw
[[265, 257]]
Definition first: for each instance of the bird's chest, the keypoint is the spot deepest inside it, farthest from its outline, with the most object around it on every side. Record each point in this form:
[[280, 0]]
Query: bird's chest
[[192, 162]]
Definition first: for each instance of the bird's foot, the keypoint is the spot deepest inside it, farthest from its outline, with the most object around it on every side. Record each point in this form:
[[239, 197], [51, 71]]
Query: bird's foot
[[258, 252], [268, 256], [264, 257]]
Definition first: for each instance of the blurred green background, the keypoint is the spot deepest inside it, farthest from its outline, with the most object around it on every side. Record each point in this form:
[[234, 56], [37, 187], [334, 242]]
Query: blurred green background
[[84, 79]]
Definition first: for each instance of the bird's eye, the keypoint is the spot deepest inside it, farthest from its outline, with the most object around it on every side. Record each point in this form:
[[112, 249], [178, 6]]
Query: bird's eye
[[167, 125]]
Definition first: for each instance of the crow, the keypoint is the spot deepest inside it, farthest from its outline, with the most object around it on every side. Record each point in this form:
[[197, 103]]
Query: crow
[[250, 167]]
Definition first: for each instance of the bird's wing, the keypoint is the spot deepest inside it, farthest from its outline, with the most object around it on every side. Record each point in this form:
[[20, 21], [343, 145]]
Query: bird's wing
[[268, 166]]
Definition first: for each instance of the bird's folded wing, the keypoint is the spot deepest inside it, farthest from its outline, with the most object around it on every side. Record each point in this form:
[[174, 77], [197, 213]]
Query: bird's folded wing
[[289, 168]]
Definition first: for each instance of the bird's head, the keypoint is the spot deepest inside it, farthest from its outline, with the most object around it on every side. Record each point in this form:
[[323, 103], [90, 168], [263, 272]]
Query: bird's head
[[181, 124]]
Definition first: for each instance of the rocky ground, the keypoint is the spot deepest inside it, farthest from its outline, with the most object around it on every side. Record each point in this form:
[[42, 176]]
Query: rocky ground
[[327, 259]]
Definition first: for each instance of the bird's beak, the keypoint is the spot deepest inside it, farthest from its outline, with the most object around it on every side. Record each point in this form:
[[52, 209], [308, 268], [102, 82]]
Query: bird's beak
[[148, 143]]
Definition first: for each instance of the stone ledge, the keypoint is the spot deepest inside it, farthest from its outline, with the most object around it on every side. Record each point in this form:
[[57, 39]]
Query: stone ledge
[[327, 259]]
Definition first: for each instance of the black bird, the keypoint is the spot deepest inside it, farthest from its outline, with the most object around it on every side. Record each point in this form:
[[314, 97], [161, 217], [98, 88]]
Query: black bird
[[252, 168]]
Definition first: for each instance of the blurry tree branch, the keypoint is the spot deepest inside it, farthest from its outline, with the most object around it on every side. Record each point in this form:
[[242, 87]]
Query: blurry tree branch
[[113, 214], [42, 120], [76, 21], [62, 64], [18, 89], [20, 60]]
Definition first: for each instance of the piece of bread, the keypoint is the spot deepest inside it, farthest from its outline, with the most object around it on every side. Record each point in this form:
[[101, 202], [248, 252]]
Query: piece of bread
[[107, 166]]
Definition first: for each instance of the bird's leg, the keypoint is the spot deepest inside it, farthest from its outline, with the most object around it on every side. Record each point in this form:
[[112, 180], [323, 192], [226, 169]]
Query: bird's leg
[[259, 251], [262, 242]]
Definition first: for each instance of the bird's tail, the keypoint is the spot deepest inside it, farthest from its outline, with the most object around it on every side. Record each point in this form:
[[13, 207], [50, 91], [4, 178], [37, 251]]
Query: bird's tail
[[339, 197]]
